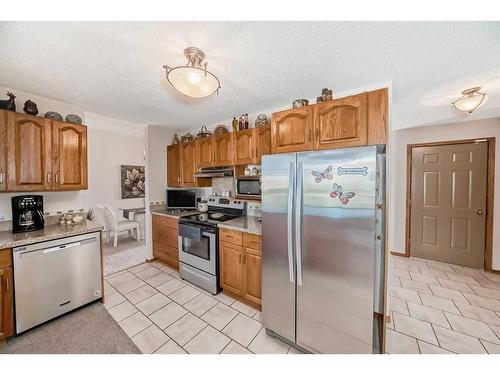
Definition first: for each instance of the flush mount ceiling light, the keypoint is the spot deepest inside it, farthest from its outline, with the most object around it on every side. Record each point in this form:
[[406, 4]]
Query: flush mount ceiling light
[[193, 79], [470, 100]]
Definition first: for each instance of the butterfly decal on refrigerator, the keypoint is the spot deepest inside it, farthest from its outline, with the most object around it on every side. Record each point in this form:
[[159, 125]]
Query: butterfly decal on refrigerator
[[325, 175], [342, 195]]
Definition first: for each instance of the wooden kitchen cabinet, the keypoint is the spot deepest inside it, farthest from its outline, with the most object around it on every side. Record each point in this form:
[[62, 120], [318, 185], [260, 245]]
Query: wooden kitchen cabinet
[[263, 142], [241, 264], [188, 163], [292, 130], [39, 154], [352, 121], [3, 150], [230, 267], [29, 153], [341, 123], [222, 149], [165, 240], [69, 147], [251, 144], [173, 165], [204, 152], [244, 147], [6, 295]]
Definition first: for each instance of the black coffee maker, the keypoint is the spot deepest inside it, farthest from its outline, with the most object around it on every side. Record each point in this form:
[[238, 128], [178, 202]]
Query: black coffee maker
[[27, 213]]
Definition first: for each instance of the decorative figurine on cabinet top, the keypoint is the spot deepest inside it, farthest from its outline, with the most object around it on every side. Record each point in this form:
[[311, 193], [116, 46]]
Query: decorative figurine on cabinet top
[[53, 116], [261, 120], [235, 124], [175, 140], [30, 108], [9, 104], [74, 119]]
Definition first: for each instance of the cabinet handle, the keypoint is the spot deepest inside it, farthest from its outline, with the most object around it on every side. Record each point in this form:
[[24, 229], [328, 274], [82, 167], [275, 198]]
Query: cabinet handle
[[239, 258], [317, 134], [49, 180], [6, 284], [310, 135], [1, 177], [55, 177]]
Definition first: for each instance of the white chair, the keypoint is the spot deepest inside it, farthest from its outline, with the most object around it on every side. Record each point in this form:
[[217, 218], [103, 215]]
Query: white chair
[[115, 225]]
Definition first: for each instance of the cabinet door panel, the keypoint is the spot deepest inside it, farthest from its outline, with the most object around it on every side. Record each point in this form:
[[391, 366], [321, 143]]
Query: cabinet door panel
[[6, 303], [188, 163], [244, 147], [204, 152], [230, 267], [69, 143], [173, 165], [263, 142], [252, 275], [223, 149], [341, 123], [29, 153], [292, 130], [377, 117], [3, 151]]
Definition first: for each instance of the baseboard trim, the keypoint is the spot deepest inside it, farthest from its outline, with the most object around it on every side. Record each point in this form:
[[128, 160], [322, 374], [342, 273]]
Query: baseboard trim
[[400, 254]]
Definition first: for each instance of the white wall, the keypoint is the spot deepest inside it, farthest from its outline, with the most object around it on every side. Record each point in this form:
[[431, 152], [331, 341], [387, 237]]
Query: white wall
[[397, 181], [157, 140], [111, 143]]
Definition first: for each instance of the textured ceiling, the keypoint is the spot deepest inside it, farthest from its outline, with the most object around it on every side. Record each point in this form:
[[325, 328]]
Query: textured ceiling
[[115, 68]]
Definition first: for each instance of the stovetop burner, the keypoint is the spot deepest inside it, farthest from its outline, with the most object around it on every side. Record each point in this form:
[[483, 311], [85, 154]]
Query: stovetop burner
[[220, 209]]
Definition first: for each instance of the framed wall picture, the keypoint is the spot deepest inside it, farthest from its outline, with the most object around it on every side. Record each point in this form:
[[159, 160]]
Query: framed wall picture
[[132, 181]]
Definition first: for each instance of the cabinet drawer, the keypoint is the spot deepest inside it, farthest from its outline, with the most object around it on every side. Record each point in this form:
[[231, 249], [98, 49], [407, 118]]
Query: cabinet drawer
[[5, 258], [231, 236], [165, 235], [166, 254], [252, 241], [165, 221]]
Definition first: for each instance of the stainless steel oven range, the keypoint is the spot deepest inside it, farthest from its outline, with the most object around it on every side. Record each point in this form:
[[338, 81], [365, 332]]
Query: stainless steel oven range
[[199, 242]]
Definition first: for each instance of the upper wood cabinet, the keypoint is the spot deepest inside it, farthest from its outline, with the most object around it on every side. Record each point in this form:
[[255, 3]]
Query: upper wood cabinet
[[3, 151], [292, 130], [352, 121], [341, 123], [173, 165], [204, 152], [251, 144], [244, 147], [222, 149], [29, 153], [188, 163], [37, 154], [262, 141], [69, 148]]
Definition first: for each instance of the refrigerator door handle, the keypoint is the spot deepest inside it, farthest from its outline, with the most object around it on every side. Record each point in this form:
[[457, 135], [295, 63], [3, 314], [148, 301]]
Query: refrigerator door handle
[[298, 223], [289, 209]]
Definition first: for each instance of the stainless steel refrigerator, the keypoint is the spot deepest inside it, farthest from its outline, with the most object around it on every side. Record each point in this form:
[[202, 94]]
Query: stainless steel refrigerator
[[323, 248]]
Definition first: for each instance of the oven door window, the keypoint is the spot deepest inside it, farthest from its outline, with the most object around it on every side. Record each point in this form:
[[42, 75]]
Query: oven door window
[[199, 248], [249, 187]]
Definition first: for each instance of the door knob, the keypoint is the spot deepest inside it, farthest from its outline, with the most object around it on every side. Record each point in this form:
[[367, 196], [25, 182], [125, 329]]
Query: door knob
[[479, 212]]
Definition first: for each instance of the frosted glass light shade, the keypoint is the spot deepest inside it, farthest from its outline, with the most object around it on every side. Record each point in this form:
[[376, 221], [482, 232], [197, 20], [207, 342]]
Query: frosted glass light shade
[[192, 81], [470, 100]]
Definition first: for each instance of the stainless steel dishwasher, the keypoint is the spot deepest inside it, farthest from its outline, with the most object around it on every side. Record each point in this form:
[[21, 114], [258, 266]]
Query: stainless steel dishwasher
[[54, 277]]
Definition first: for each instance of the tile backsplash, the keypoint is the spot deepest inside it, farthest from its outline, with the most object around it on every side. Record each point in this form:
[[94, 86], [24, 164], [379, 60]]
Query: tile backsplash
[[220, 184]]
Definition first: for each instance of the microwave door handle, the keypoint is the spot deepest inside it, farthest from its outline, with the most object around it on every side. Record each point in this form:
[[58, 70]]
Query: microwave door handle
[[40, 214], [289, 231], [298, 223]]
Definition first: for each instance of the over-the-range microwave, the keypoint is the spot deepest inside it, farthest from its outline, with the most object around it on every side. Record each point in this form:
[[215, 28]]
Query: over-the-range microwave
[[248, 187]]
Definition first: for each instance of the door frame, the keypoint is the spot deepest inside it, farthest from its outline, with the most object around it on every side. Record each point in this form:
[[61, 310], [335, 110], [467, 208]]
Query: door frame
[[490, 189]]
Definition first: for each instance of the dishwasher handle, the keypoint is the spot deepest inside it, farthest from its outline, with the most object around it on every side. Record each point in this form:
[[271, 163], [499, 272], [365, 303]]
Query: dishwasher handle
[[25, 251], [61, 247]]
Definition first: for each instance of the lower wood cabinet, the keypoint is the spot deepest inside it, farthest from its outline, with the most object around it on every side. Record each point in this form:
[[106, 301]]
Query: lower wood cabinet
[[165, 243], [241, 264], [6, 295]]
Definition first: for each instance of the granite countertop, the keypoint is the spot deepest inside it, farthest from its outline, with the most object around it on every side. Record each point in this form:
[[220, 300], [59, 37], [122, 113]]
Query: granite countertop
[[173, 214], [247, 224], [50, 232]]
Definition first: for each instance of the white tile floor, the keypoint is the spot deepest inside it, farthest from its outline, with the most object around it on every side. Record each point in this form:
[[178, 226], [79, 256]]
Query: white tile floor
[[437, 307], [165, 315]]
